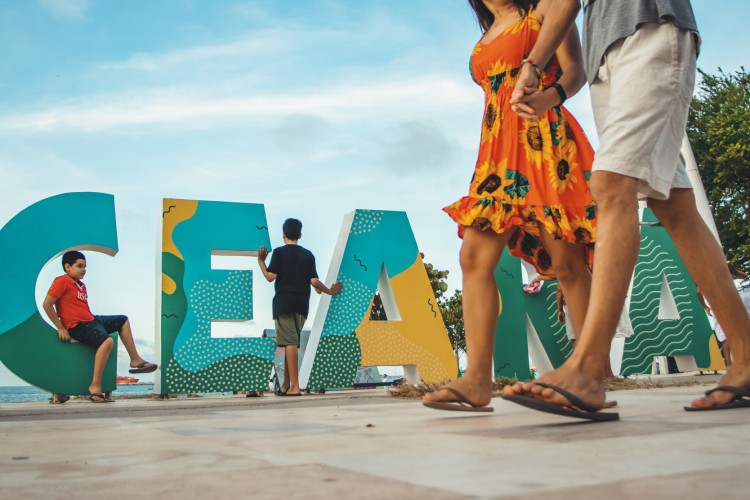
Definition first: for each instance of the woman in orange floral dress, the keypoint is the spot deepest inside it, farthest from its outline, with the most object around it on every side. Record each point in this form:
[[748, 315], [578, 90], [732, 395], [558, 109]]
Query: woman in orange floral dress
[[529, 190]]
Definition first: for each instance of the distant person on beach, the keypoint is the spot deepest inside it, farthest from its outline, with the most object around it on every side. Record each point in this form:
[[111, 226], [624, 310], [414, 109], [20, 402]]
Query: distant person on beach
[[66, 305], [641, 63], [562, 315], [293, 270], [726, 349], [529, 190]]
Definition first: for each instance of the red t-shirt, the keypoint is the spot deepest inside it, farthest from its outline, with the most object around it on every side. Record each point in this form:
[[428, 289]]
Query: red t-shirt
[[72, 301]]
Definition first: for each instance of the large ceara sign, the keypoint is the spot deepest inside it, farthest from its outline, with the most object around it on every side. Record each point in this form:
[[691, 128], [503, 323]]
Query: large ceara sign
[[376, 251]]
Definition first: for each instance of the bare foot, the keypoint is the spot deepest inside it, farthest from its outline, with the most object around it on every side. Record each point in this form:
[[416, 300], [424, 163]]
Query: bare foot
[[589, 389], [95, 389], [478, 393], [737, 375]]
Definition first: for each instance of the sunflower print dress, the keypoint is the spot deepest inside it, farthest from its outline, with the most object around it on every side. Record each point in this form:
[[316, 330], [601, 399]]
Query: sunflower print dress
[[527, 174]]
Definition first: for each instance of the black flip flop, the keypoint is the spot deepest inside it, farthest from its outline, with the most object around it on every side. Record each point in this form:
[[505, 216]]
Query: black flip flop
[[144, 367], [460, 404], [102, 398], [577, 408], [741, 399]]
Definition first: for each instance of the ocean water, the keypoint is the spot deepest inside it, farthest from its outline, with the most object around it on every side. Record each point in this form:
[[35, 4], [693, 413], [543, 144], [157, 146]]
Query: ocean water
[[27, 393]]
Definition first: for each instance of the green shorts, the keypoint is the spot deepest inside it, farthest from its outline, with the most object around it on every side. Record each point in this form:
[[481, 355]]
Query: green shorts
[[288, 329]]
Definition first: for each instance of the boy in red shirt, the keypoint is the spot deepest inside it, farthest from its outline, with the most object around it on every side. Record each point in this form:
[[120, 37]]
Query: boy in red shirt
[[67, 306]]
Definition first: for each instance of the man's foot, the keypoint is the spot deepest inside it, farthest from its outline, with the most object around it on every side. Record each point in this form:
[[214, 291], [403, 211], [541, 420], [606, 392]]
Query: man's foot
[[737, 376], [473, 392], [589, 390]]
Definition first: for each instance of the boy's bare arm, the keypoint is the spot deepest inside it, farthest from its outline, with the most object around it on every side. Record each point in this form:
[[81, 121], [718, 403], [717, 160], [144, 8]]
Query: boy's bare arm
[[49, 308], [320, 286], [262, 254]]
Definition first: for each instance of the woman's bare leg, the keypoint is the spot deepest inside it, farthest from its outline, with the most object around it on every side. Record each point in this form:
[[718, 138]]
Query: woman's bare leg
[[574, 275], [480, 254]]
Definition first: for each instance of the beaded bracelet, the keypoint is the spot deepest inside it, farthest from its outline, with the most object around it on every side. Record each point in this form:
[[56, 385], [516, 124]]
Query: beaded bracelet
[[533, 63]]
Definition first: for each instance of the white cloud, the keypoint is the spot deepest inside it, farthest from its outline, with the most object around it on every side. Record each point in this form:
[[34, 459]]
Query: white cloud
[[189, 108], [67, 9], [246, 47]]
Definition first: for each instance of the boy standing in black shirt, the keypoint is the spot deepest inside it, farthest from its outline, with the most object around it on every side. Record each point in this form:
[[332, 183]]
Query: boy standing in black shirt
[[293, 269]]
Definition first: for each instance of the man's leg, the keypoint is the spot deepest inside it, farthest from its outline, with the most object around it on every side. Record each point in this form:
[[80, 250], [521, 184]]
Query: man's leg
[[100, 362], [706, 263], [291, 357], [616, 254], [480, 254]]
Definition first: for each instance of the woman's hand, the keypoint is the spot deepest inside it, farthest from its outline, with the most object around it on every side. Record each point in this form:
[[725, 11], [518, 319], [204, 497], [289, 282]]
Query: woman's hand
[[535, 103]]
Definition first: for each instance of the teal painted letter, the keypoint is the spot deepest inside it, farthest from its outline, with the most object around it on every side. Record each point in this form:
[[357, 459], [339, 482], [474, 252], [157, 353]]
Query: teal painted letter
[[194, 295], [29, 347]]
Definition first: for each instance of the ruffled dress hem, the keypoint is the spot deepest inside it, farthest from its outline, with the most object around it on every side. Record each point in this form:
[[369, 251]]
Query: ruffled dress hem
[[573, 224]]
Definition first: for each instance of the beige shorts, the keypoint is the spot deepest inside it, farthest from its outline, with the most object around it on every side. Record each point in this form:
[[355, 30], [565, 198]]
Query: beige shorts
[[641, 96]]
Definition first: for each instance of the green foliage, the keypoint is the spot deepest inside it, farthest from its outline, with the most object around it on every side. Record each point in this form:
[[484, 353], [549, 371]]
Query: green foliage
[[453, 316], [719, 133], [377, 313], [451, 307]]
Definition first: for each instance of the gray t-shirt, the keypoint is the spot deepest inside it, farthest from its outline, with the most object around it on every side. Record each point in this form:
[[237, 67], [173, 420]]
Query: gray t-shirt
[[607, 21]]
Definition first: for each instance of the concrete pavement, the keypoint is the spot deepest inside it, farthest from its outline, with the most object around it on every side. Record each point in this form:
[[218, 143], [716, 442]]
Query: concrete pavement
[[365, 444]]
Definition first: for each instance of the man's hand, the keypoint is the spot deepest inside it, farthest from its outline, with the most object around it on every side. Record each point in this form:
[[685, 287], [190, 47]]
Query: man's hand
[[262, 253], [63, 334], [561, 317], [535, 104], [336, 288]]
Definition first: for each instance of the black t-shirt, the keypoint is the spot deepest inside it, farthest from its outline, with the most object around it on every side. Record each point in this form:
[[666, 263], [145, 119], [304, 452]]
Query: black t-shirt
[[294, 267]]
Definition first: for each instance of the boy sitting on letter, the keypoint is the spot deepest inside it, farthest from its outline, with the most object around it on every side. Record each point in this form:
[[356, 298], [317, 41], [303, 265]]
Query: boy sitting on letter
[[67, 306]]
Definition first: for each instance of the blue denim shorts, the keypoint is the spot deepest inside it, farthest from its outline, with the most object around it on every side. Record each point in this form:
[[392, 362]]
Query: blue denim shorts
[[94, 333]]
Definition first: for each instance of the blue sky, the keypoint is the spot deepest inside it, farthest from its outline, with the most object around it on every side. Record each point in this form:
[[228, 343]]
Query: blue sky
[[313, 108]]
